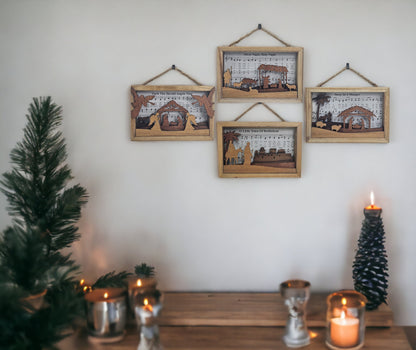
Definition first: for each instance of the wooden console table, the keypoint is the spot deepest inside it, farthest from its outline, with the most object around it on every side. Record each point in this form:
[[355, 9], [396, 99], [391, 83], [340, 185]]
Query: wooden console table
[[238, 321]]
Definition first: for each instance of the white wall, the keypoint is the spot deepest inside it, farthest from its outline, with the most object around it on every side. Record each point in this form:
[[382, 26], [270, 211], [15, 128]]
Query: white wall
[[163, 202]]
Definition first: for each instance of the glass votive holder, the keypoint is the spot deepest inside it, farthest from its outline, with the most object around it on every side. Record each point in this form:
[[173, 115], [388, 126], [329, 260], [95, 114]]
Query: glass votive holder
[[345, 319], [137, 285], [148, 305], [106, 314]]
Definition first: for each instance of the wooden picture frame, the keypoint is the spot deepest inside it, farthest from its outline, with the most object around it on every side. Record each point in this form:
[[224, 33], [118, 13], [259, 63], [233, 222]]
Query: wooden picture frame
[[259, 73], [172, 112], [259, 149], [347, 114]]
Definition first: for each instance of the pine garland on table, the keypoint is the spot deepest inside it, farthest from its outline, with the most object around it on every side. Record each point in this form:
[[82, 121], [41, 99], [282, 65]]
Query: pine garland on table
[[112, 279], [370, 265]]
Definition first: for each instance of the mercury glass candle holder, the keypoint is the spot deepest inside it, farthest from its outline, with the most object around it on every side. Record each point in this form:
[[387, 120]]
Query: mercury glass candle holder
[[106, 314], [148, 305], [296, 295], [345, 320]]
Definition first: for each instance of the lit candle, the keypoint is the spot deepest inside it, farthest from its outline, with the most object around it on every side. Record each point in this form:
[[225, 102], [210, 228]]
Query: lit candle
[[139, 286], [145, 313], [106, 313], [372, 211], [345, 320], [147, 306], [105, 295], [345, 331], [372, 206]]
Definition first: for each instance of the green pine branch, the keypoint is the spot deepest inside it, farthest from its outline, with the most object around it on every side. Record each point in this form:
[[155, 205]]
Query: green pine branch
[[24, 328], [44, 210], [22, 259], [112, 279], [144, 271], [36, 187]]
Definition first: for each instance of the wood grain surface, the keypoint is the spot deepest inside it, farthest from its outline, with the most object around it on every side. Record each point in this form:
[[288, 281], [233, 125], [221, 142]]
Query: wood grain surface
[[231, 321], [237, 338], [249, 309]]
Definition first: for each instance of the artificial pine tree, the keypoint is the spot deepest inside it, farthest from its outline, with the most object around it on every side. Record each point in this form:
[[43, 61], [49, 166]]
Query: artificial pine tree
[[370, 264], [45, 209]]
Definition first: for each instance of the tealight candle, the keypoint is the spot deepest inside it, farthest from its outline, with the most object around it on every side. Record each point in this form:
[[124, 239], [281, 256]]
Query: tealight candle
[[106, 314]]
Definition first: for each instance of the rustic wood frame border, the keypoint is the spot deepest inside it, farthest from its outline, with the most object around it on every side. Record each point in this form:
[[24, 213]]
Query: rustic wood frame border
[[207, 134], [257, 125], [226, 94], [311, 131]]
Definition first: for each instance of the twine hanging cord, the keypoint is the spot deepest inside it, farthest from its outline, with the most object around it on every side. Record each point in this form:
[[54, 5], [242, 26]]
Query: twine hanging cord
[[347, 67], [259, 27], [256, 104], [173, 67]]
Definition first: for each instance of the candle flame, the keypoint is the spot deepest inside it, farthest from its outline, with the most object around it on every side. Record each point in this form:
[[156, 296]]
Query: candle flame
[[85, 288], [344, 301], [147, 305], [81, 282], [139, 283], [342, 314], [312, 335], [105, 295], [372, 206]]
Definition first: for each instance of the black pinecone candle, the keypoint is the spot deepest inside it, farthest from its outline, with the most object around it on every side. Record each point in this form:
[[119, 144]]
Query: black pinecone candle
[[370, 264]]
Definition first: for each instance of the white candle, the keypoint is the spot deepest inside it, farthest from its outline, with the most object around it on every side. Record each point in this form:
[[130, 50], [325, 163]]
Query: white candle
[[344, 331]]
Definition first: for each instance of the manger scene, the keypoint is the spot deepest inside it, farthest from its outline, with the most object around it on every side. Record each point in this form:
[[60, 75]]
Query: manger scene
[[260, 75], [347, 114], [259, 150], [172, 113]]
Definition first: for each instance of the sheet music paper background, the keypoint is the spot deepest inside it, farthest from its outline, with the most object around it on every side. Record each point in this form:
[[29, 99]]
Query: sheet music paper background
[[183, 98], [282, 138], [245, 64], [340, 101]]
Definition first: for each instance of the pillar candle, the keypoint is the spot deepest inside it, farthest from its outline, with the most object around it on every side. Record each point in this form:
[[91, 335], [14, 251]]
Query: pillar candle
[[345, 331]]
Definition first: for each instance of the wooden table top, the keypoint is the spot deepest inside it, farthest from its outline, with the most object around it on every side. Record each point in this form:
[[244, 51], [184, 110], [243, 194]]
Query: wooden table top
[[249, 309], [239, 321], [236, 338]]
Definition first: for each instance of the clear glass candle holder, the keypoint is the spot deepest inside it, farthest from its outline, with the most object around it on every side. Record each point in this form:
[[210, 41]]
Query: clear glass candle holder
[[148, 305], [345, 320], [139, 285]]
